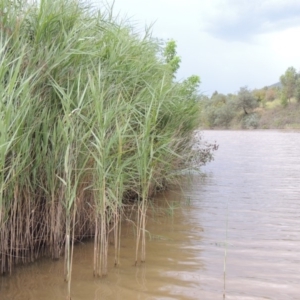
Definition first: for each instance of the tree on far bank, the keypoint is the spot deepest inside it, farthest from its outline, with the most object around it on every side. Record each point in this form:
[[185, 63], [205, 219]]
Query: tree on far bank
[[260, 95], [289, 83], [297, 90], [245, 100]]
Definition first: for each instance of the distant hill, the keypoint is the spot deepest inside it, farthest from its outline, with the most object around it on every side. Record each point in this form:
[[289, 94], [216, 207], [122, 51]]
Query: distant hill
[[276, 85]]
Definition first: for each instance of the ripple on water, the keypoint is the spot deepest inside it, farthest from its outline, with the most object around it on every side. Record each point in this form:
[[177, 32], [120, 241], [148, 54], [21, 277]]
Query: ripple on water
[[246, 209]]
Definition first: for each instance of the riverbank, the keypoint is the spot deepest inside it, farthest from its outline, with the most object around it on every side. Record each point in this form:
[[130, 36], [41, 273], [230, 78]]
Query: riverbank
[[271, 115], [279, 117]]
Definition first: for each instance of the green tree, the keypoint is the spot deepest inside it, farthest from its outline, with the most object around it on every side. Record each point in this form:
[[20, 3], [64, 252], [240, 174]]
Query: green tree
[[246, 100], [218, 111], [171, 57], [297, 90], [260, 95], [214, 94], [289, 82], [224, 114]]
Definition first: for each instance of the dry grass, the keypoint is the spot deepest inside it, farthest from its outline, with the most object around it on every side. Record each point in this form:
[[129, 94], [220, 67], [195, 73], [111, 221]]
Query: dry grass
[[280, 117]]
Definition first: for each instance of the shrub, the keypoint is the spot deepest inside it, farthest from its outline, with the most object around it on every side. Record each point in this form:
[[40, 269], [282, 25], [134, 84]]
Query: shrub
[[250, 121]]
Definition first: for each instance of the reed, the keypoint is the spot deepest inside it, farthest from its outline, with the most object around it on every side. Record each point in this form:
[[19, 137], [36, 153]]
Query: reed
[[90, 118]]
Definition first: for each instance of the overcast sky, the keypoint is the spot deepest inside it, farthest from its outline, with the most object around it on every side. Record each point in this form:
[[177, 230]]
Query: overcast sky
[[228, 43]]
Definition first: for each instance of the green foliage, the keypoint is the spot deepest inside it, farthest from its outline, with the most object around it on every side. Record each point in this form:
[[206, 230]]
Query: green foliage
[[218, 111], [250, 121], [297, 90], [283, 99], [225, 114], [189, 87], [245, 100], [255, 109], [171, 57], [260, 95], [264, 95], [289, 83], [227, 111]]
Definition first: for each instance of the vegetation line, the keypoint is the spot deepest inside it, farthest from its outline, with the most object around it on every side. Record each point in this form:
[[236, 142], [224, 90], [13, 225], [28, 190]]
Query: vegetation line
[[272, 107]]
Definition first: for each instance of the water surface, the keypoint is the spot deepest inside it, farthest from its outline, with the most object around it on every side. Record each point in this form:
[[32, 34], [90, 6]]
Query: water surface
[[241, 219]]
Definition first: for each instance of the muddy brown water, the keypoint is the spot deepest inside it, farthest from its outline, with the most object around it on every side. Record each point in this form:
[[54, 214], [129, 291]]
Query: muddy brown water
[[244, 214]]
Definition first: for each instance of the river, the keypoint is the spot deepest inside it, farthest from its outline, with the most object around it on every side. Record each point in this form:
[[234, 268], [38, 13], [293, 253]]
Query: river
[[232, 232]]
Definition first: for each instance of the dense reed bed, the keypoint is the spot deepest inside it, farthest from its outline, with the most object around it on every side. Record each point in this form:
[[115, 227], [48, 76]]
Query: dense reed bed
[[90, 120]]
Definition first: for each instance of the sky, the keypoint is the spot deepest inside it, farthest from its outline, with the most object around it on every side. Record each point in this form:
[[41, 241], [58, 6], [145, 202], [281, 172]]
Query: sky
[[228, 43]]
